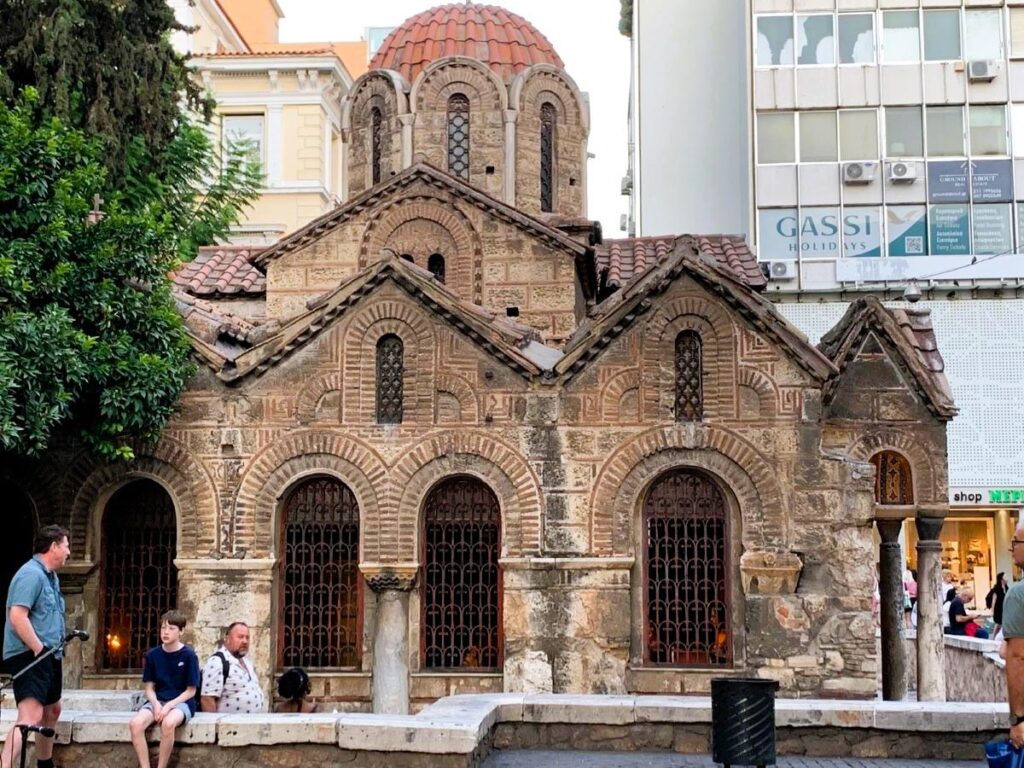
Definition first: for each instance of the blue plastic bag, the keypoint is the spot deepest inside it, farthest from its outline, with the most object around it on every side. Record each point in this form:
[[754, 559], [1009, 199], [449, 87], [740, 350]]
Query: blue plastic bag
[[1002, 754]]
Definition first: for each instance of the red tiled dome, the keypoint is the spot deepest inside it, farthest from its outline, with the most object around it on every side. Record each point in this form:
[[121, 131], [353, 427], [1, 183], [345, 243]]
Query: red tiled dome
[[507, 43]]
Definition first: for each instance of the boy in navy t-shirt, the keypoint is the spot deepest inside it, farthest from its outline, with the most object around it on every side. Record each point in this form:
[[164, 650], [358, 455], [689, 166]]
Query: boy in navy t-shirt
[[171, 676]]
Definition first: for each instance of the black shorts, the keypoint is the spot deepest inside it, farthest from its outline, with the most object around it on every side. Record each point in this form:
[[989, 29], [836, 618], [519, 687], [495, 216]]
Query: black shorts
[[44, 682]]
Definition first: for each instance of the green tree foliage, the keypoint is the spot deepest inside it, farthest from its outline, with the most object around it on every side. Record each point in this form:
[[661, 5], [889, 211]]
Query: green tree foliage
[[104, 66], [91, 344]]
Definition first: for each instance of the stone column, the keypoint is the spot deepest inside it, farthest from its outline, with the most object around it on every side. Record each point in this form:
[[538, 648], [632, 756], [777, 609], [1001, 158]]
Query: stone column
[[391, 636], [890, 590], [406, 121], [510, 156], [931, 677]]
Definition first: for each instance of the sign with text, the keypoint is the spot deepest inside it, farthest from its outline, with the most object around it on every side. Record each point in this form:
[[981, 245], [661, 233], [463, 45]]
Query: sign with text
[[993, 232], [812, 232], [949, 230], [986, 496], [992, 181], [947, 181]]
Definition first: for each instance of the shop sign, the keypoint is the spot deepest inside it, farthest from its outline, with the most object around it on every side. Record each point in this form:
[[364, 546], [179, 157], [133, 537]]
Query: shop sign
[[986, 496], [949, 230], [947, 181], [908, 230], [785, 233], [992, 181]]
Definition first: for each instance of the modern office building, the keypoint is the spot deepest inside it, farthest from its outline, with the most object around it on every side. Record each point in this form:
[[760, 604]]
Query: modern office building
[[860, 146]]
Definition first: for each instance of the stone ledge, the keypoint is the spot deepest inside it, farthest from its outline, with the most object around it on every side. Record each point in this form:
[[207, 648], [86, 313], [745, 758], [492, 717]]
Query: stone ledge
[[89, 700], [462, 725]]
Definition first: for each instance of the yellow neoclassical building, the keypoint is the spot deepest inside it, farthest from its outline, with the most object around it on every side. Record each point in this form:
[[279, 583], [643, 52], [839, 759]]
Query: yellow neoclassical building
[[285, 97]]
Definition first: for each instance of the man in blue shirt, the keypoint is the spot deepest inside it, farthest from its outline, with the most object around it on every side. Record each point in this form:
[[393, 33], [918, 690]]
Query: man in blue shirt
[[35, 623]]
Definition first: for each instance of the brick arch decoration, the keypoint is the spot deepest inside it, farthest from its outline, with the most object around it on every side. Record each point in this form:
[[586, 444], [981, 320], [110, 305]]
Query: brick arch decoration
[[531, 89], [460, 389], [412, 325], [617, 386], [187, 480], [385, 90], [625, 475], [44, 483], [767, 392], [504, 469], [923, 472], [279, 465], [309, 396], [458, 74], [464, 269], [718, 345]]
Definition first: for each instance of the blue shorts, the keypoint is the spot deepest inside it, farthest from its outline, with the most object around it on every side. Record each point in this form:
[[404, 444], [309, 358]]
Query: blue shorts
[[183, 708]]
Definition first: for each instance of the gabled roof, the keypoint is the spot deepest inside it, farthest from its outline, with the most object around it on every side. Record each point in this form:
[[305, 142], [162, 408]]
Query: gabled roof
[[221, 270], [424, 172], [612, 317], [620, 260], [908, 331], [517, 346], [415, 173]]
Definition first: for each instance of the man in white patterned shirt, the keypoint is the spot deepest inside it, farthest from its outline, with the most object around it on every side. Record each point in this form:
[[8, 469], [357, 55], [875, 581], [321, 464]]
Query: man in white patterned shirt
[[240, 691]]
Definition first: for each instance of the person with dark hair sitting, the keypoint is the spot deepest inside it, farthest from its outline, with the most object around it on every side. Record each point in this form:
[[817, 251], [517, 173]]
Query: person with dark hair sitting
[[293, 687]]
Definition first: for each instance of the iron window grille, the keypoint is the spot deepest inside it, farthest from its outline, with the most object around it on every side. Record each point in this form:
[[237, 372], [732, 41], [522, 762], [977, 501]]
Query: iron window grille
[[140, 581], [390, 370], [320, 584], [548, 118], [689, 403], [376, 142], [686, 580], [461, 580], [458, 136]]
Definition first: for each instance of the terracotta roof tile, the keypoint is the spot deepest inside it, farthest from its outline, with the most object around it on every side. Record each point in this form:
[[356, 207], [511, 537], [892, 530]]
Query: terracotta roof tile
[[221, 271], [504, 41], [619, 261]]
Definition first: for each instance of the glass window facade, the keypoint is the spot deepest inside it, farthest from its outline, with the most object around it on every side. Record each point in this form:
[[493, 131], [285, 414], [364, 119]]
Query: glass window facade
[[938, 140]]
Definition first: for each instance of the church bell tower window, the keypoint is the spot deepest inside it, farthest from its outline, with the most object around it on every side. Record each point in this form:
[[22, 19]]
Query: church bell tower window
[[458, 136], [548, 117]]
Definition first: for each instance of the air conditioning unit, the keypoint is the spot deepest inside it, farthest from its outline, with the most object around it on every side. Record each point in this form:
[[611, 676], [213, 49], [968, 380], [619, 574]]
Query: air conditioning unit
[[859, 173], [782, 270], [982, 71], [626, 187], [900, 171]]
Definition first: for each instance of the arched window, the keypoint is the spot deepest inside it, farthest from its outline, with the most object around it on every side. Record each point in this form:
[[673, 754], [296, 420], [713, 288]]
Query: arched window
[[458, 136], [390, 368], [435, 265], [687, 607], [408, 257], [139, 579], [376, 141], [461, 579], [689, 370], [16, 543], [894, 482], [548, 118], [319, 550]]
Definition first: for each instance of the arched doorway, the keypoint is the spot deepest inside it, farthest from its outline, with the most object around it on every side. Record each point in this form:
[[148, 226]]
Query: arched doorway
[[320, 599], [894, 482], [16, 542], [687, 605], [139, 580], [461, 597]]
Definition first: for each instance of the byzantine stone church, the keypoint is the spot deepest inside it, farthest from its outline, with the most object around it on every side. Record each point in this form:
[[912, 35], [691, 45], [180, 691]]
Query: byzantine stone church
[[448, 439]]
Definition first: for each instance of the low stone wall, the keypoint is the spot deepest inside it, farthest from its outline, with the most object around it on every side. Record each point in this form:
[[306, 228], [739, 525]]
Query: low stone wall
[[459, 731], [974, 671]]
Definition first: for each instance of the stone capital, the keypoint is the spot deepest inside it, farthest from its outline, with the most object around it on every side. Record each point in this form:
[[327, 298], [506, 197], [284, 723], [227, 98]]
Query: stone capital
[[400, 577], [406, 119], [889, 530], [928, 529], [511, 115], [770, 573]]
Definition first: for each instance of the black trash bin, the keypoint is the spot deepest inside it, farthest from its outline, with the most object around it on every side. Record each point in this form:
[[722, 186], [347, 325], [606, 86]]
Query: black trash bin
[[743, 721]]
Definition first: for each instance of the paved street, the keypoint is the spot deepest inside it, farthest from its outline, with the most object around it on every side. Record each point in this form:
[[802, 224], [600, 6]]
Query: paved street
[[556, 759]]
